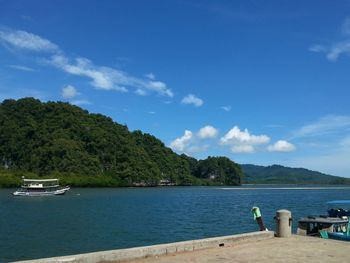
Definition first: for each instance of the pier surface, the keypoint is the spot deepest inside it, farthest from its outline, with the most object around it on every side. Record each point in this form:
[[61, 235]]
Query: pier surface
[[293, 249], [250, 247]]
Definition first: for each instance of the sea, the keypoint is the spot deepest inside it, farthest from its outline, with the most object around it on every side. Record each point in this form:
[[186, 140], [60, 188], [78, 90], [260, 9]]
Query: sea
[[96, 219]]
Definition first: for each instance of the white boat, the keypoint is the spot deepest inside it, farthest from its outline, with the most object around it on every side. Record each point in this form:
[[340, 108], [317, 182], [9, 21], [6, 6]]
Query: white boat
[[41, 187]]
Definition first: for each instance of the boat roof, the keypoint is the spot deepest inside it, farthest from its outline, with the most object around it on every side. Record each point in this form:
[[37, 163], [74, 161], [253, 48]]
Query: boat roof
[[336, 202], [40, 180], [323, 219]]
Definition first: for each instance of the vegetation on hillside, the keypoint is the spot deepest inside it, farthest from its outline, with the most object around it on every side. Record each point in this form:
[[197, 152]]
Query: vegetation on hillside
[[59, 140], [56, 139], [216, 169]]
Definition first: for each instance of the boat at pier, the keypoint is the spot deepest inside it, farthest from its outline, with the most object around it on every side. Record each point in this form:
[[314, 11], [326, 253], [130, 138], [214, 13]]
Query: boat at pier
[[335, 225], [41, 187], [313, 225]]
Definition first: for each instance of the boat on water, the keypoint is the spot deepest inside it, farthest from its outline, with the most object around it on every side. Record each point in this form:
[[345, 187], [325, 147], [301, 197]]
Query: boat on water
[[335, 225], [41, 187], [313, 225]]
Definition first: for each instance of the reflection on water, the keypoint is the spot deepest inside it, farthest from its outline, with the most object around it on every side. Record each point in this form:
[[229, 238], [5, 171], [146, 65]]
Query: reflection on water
[[88, 220]]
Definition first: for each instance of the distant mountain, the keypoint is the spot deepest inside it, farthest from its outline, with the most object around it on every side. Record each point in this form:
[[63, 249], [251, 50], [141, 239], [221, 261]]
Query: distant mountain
[[277, 174]]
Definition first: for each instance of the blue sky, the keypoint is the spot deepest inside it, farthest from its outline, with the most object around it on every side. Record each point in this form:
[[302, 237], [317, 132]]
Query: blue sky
[[262, 82]]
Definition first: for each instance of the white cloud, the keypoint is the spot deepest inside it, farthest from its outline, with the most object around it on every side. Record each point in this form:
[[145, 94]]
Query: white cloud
[[207, 132], [194, 142], [345, 28], [236, 136], [192, 99], [107, 78], [69, 92], [150, 76], [101, 77], [140, 92], [243, 149], [325, 125], [22, 68], [158, 86], [238, 141], [242, 141], [181, 143], [317, 48], [226, 108], [24, 40], [340, 47], [281, 146], [337, 49]]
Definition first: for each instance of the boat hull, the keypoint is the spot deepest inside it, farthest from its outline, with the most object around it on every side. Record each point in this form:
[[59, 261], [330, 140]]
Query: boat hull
[[41, 193], [338, 236]]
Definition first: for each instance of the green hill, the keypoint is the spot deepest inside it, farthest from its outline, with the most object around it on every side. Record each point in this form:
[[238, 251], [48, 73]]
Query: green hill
[[277, 174], [59, 140]]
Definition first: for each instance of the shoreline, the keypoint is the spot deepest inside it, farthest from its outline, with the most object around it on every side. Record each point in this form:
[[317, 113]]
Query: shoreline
[[289, 188], [227, 187]]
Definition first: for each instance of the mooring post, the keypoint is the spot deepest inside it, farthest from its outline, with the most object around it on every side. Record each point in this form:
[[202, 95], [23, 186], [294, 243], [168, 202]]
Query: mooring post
[[283, 223], [257, 216]]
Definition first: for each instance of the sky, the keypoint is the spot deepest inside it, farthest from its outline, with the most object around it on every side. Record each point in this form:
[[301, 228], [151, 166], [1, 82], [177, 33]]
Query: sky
[[261, 82]]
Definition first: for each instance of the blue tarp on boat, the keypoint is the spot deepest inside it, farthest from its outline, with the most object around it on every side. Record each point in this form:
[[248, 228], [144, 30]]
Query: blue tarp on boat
[[338, 236]]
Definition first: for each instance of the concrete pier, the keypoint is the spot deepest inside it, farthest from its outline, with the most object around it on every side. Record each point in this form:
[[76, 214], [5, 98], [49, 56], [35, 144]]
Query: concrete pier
[[252, 247], [123, 255], [274, 250]]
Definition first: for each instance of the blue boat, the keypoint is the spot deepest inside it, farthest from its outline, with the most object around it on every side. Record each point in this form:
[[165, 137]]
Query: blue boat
[[339, 236]]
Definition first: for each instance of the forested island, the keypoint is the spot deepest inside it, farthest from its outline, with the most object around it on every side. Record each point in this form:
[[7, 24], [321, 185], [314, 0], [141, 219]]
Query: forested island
[[60, 140]]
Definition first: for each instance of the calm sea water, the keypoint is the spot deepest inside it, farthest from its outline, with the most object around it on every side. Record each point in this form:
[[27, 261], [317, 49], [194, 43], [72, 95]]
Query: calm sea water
[[86, 220]]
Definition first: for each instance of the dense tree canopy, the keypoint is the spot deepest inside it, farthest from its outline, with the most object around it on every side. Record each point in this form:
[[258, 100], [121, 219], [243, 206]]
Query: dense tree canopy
[[56, 139], [215, 170]]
